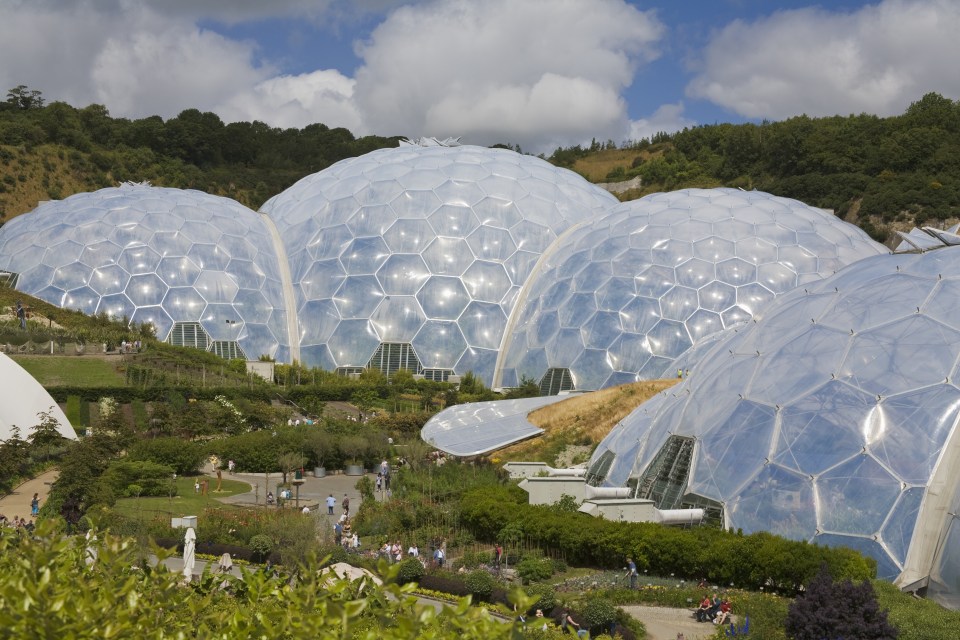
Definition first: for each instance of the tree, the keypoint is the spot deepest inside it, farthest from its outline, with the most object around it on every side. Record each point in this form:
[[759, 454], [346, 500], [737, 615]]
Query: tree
[[829, 609], [363, 400], [46, 434], [24, 98], [290, 462]]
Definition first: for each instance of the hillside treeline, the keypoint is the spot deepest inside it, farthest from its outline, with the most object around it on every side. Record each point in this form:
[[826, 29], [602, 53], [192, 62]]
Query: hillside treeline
[[880, 173], [877, 172], [68, 150]]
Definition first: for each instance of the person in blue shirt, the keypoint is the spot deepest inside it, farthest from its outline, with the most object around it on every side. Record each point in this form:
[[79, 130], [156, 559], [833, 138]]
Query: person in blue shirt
[[632, 572]]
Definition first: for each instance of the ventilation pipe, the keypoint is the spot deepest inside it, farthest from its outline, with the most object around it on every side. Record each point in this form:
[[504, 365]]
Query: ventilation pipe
[[592, 493], [678, 516]]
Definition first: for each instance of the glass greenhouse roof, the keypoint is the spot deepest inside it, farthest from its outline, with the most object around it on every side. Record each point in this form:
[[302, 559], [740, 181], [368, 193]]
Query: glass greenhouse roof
[[426, 246], [624, 296], [829, 417], [156, 255]]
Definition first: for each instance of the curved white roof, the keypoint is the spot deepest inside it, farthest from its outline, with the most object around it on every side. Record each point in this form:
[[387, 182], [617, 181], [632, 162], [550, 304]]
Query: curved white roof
[[22, 399]]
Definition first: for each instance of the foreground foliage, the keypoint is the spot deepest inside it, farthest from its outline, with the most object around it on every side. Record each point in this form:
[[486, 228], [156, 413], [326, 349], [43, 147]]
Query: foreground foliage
[[125, 597]]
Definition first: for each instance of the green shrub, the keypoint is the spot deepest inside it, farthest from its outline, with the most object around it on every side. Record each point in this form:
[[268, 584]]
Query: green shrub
[[182, 456], [411, 570], [151, 478], [533, 569], [261, 546], [723, 557], [598, 612], [480, 583], [546, 596]]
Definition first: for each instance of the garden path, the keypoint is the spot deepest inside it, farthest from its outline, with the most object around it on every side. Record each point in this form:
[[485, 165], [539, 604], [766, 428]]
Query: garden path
[[17, 503], [664, 623]]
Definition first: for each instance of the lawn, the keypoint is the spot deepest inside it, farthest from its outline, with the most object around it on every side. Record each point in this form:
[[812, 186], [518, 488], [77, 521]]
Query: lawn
[[185, 503], [76, 371]]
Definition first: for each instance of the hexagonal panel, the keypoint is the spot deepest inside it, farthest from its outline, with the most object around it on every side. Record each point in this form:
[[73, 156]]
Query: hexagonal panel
[[398, 318], [483, 324], [403, 274], [439, 344], [486, 281], [443, 297], [357, 297]]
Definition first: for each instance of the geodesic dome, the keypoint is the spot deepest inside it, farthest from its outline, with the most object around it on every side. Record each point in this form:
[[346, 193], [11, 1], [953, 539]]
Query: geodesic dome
[[412, 257], [200, 268], [832, 417], [623, 297]]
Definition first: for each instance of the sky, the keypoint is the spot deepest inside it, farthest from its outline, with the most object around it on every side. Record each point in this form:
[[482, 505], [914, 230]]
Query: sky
[[534, 73]]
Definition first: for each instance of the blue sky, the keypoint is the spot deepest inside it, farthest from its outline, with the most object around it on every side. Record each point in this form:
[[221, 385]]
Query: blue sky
[[539, 73]]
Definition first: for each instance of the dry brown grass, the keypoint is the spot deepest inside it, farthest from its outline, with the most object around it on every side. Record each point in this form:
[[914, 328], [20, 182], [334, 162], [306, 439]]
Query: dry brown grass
[[581, 420], [596, 167]]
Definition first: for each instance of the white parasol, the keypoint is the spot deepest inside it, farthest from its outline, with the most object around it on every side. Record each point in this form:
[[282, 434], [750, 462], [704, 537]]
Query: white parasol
[[189, 554]]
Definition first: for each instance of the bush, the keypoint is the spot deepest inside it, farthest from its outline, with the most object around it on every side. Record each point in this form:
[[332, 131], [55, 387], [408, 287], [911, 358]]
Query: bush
[[723, 557], [261, 546], [599, 613], [829, 609], [480, 584], [533, 569], [411, 570], [150, 478], [183, 457], [546, 597]]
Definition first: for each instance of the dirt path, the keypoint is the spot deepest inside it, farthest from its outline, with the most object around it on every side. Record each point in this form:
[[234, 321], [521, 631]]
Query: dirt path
[[664, 623], [18, 502]]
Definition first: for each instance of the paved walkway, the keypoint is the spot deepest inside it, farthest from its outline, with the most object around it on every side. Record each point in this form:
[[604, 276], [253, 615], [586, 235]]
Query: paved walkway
[[18, 502], [664, 623], [313, 492]]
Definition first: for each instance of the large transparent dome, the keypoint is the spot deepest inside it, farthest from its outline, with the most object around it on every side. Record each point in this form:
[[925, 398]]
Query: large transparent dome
[[831, 418], [200, 268], [417, 254], [622, 298]]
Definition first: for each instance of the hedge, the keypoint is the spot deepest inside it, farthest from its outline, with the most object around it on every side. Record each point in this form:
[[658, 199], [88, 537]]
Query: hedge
[[722, 557], [126, 395]]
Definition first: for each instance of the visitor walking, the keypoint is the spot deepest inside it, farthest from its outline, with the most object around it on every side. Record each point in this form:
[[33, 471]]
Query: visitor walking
[[35, 505], [331, 503]]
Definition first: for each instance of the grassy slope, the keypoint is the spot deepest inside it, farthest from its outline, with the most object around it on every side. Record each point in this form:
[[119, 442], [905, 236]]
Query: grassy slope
[[56, 371], [581, 420], [186, 502]]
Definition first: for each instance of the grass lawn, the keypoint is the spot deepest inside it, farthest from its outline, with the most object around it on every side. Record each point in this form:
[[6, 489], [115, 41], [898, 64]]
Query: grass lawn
[[185, 503], [56, 371]]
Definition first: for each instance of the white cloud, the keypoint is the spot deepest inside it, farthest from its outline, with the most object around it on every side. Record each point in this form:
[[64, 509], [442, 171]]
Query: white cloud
[[296, 101], [877, 59], [667, 118], [135, 62], [537, 73]]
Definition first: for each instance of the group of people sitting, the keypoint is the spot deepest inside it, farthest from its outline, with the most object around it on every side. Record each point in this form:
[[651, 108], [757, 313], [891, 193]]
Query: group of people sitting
[[18, 523], [713, 610]]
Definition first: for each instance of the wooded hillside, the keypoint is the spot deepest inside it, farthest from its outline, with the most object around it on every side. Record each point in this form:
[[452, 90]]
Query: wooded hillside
[[880, 173]]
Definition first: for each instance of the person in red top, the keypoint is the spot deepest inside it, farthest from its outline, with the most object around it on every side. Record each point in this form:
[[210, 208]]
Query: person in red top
[[704, 610], [724, 613]]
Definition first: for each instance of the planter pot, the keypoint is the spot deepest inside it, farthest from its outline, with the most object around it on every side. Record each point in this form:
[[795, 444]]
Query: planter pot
[[353, 470], [319, 472]]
